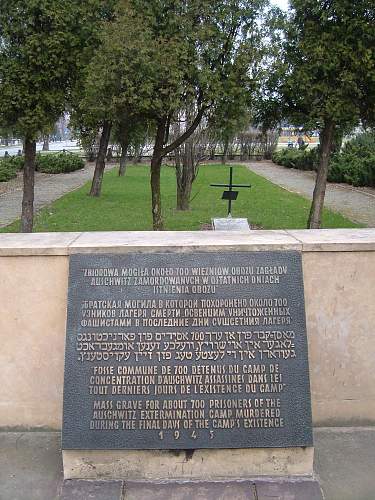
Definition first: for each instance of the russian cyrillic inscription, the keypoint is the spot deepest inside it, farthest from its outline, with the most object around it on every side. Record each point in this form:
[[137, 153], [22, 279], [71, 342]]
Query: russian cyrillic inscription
[[200, 350]]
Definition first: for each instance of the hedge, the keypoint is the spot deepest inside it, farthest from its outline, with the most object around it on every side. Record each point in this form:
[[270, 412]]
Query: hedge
[[58, 163], [296, 158], [9, 167], [355, 164]]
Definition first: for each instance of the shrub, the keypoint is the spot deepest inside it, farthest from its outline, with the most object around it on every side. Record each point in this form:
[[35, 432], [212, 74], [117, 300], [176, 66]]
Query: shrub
[[9, 167], [354, 170], [296, 158], [17, 161], [57, 163], [355, 164]]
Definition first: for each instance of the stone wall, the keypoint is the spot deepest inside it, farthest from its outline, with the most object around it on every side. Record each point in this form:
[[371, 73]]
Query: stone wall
[[339, 277]]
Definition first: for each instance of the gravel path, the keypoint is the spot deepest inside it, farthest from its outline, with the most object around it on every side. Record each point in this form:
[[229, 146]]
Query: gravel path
[[357, 204], [48, 188]]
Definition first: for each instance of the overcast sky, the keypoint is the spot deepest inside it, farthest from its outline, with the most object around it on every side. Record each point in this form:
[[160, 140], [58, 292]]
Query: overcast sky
[[283, 4]]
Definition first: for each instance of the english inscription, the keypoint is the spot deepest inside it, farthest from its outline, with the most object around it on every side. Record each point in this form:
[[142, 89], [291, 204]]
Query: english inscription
[[200, 350]]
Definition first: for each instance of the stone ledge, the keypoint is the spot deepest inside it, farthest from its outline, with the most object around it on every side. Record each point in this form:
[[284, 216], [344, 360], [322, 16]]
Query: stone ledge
[[313, 240], [22, 244], [210, 465], [183, 241], [335, 240]]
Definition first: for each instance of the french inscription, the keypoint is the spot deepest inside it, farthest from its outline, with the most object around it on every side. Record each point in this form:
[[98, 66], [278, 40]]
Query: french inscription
[[186, 351]]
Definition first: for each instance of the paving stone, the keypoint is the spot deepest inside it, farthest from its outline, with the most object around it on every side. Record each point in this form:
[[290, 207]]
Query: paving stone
[[48, 188], [345, 462], [30, 465], [357, 204], [239, 490], [288, 490], [78, 489]]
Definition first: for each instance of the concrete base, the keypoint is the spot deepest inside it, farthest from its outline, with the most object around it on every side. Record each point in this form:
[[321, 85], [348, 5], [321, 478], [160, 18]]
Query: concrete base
[[31, 468], [270, 489], [208, 465]]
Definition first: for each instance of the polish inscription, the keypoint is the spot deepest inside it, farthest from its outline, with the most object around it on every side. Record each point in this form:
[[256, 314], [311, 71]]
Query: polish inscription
[[201, 350]]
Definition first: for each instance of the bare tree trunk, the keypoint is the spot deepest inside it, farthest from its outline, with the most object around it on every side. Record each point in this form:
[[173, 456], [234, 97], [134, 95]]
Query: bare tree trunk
[[185, 177], [124, 152], [338, 137], [96, 185], [46, 143], [135, 158], [225, 153], [156, 161], [157, 218], [314, 221], [28, 186], [157, 157], [178, 158]]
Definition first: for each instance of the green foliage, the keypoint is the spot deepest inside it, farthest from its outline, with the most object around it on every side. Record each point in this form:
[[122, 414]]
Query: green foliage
[[158, 57], [41, 46], [8, 169], [267, 108], [355, 164], [16, 161], [330, 62], [7, 172], [58, 163], [301, 159]]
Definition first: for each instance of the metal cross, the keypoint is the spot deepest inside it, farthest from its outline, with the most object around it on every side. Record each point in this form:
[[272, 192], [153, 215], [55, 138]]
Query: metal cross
[[230, 194]]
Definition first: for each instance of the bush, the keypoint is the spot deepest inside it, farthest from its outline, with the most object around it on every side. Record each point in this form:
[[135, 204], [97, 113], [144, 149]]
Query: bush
[[9, 167], [17, 161], [58, 163], [296, 158], [355, 164]]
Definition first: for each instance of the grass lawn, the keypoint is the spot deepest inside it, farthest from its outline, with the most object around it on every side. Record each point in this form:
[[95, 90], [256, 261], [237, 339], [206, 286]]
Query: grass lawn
[[125, 204]]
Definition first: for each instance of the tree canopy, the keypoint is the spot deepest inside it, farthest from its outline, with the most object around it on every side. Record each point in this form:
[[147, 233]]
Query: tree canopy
[[160, 57], [330, 62], [41, 42]]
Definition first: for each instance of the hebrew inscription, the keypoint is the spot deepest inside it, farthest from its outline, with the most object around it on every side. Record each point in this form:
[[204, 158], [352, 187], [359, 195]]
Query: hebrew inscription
[[200, 350]]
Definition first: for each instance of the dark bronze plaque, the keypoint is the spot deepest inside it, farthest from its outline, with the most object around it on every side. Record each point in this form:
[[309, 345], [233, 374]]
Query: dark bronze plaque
[[200, 350]]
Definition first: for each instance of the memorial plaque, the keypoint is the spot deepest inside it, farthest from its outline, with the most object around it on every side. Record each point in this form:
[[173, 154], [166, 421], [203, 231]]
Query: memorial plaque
[[230, 224], [197, 350]]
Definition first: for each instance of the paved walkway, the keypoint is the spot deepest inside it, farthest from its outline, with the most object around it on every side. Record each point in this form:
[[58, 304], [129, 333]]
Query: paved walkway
[[357, 204], [48, 188], [31, 468]]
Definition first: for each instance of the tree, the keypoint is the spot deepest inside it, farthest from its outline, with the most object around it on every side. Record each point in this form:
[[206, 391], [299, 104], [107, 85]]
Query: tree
[[227, 121], [5, 135], [129, 131], [169, 56], [330, 75], [93, 111], [91, 100], [188, 156], [40, 45], [46, 142], [268, 109]]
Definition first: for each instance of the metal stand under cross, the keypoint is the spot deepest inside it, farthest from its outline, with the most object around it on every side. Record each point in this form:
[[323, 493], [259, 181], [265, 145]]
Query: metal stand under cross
[[230, 195]]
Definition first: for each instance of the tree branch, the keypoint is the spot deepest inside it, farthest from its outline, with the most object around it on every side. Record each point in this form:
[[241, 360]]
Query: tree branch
[[180, 140]]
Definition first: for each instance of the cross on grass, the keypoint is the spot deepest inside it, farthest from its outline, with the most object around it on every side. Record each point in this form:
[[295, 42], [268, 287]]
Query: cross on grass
[[230, 195]]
